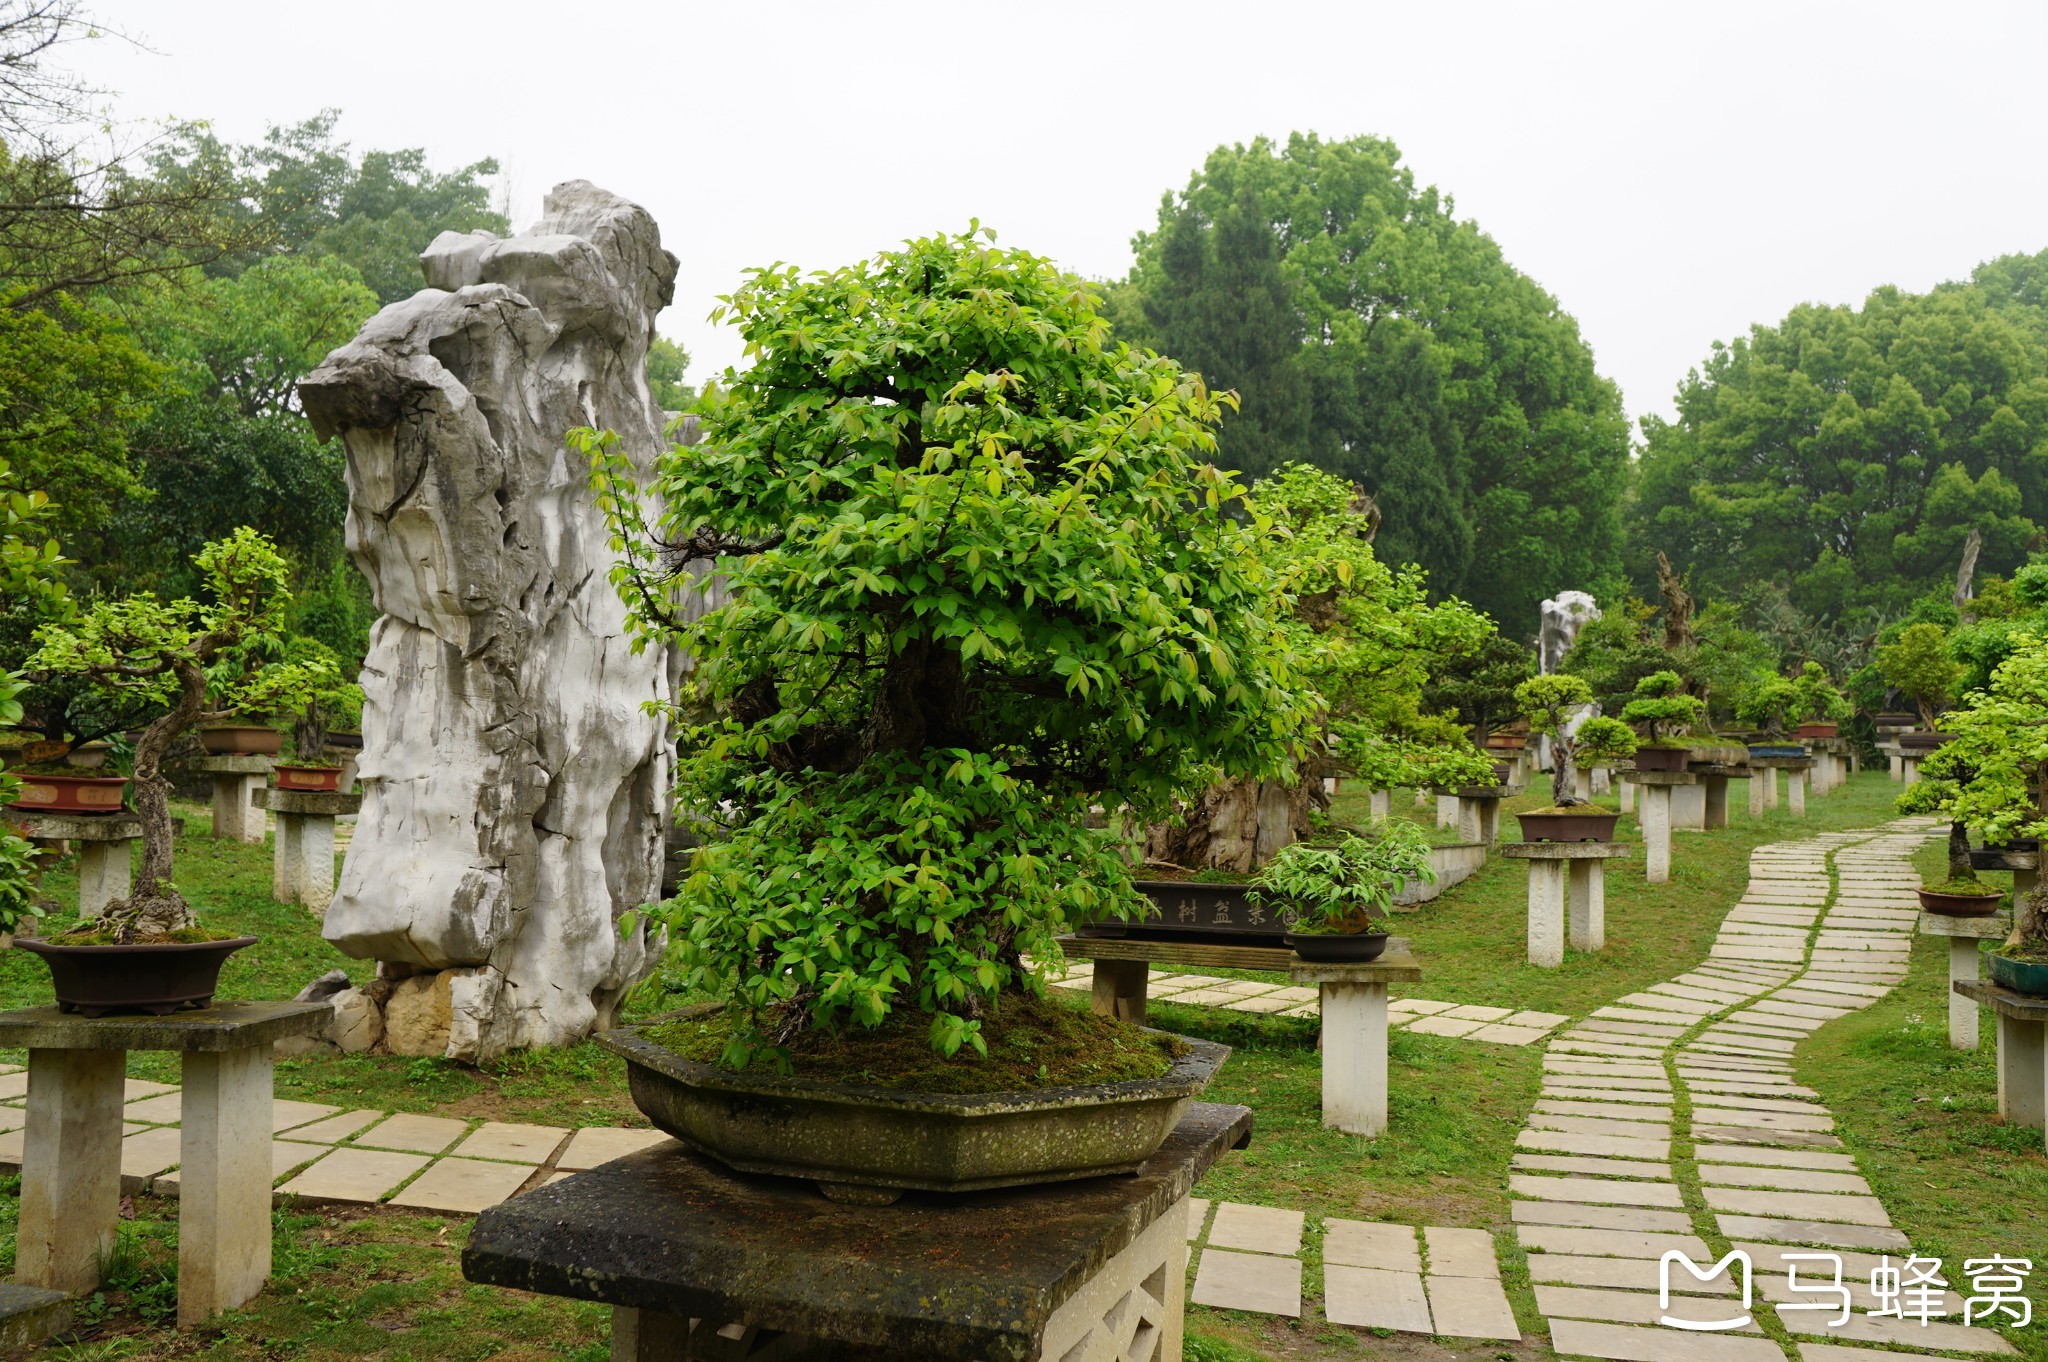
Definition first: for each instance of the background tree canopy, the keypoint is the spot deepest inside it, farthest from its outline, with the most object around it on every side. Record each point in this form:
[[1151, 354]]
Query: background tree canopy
[[1372, 334], [1848, 453]]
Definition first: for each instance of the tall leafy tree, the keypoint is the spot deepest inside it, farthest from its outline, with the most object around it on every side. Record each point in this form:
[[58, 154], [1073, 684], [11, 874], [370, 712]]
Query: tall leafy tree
[[1439, 376]]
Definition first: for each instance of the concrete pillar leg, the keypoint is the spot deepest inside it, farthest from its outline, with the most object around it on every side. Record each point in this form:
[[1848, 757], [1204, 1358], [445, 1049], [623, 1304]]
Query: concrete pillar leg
[[223, 1182], [2021, 1059], [1855, 762], [1757, 781], [284, 859], [1447, 811], [1912, 770], [1962, 1012], [1355, 1057], [1546, 913], [1582, 784], [1588, 905], [104, 874], [1795, 793], [71, 1168], [1603, 780], [316, 863], [235, 815], [1689, 807], [1119, 990], [1656, 833], [1627, 797], [1489, 821], [1770, 777], [1470, 814], [648, 1335], [1716, 813], [1382, 805], [1898, 766], [2023, 882]]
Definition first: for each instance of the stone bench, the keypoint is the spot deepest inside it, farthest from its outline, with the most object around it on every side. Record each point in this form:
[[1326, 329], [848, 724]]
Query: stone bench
[[1566, 880], [1353, 1005], [71, 1144], [697, 1261], [236, 782], [302, 857], [1765, 770], [2022, 1051]]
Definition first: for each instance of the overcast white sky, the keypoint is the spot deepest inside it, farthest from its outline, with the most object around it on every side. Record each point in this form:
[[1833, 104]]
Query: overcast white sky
[[1671, 172]]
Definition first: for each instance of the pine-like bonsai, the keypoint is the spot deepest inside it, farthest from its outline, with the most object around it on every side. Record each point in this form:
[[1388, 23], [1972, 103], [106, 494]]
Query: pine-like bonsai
[[1662, 710], [1551, 703], [1815, 699], [982, 575]]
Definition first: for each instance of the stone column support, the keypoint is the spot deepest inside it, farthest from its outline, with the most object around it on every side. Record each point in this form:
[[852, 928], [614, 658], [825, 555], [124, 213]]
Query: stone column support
[[2022, 1072], [1546, 913], [1716, 787], [1963, 934], [223, 1182], [1355, 1057], [237, 781], [1567, 887], [1381, 804], [1759, 782], [105, 873], [1769, 775], [1119, 990], [1446, 811], [1588, 894], [1897, 766], [71, 1168], [1655, 819], [1582, 784], [302, 855], [1603, 780], [1689, 808], [1627, 795], [1795, 793], [1909, 768]]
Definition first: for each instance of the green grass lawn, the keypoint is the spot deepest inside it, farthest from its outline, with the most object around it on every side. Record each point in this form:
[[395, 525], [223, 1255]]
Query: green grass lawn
[[384, 1285]]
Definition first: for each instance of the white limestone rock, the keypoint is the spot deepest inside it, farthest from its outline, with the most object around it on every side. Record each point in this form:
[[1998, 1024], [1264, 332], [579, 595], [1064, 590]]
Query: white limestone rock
[[514, 787]]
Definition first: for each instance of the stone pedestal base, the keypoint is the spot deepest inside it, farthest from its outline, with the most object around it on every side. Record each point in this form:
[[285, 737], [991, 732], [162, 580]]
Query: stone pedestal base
[[1381, 805], [1478, 811], [1689, 808], [237, 781], [104, 851], [1355, 1057], [1795, 793], [1447, 811], [302, 859], [1626, 795], [1655, 819], [1603, 780], [2022, 1052], [1963, 934], [1567, 884]]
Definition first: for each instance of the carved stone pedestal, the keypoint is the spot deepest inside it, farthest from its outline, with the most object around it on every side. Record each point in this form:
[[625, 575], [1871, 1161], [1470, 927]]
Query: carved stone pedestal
[[1567, 882]]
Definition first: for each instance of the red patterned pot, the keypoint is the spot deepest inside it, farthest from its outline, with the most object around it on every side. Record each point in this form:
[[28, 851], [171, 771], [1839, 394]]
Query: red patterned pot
[[70, 794]]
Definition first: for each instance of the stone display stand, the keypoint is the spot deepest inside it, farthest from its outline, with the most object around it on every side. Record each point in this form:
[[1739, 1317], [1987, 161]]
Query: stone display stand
[[71, 1146], [105, 871], [1354, 1013], [1625, 791], [1830, 764], [1795, 769], [1478, 810], [1381, 805], [1655, 818], [302, 858], [1963, 934], [1689, 807], [2022, 1053], [1567, 882], [236, 780], [1714, 777], [699, 1262], [1895, 757]]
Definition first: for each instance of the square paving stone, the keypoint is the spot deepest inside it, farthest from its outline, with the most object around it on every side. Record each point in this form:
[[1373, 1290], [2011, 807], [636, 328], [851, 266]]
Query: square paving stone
[[1600, 1191], [1542, 1019], [510, 1143], [161, 1110], [1500, 1033], [1790, 1179], [1772, 1265], [1792, 1139], [464, 1185], [1460, 1252], [1634, 1307], [1262, 1229], [1419, 1006], [134, 1088], [14, 1084], [146, 1154], [1633, 1343], [1203, 997], [1474, 1012], [12, 1118], [1619, 1111], [1832, 1352], [1374, 1244], [1444, 1026], [354, 1174], [1815, 1232], [1270, 1002], [1257, 1282], [1657, 1099], [1606, 1243], [1707, 1152], [1590, 1125], [285, 1114], [335, 1129], [1373, 1298], [1602, 1068], [414, 1134], [285, 1155], [1583, 1215], [1849, 1210], [1596, 1146], [1470, 1307], [594, 1145], [1247, 987], [1198, 1216], [1622, 1274]]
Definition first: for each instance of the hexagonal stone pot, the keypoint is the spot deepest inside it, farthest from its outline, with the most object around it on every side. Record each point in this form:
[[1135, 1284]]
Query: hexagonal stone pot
[[870, 1145]]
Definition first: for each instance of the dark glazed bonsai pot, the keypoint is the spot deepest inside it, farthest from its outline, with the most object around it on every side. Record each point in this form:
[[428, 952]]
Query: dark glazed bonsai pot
[[70, 794], [247, 740], [1591, 826], [1338, 948], [871, 1144], [1506, 742], [1776, 749], [1961, 905], [1662, 758], [2020, 976], [97, 980]]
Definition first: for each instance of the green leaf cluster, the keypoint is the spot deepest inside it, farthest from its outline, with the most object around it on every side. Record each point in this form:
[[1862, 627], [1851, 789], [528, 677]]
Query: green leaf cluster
[[1662, 707], [1917, 661], [1346, 887], [979, 575]]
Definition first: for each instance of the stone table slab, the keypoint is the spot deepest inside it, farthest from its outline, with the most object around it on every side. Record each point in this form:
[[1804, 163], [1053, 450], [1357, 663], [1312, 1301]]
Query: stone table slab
[[979, 1275], [69, 827], [238, 764], [307, 803], [2003, 1001], [206, 1030]]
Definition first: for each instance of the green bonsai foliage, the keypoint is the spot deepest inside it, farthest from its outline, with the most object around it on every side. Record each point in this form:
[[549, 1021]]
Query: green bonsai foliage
[[1768, 702], [982, 575], [1551, 704], [199, 661], [1347, 887], [1918, 662], [1662, 709], [311, 688], [1992, 776], [1601, 741], [1815, 699], [1479, 686], [17, 881]]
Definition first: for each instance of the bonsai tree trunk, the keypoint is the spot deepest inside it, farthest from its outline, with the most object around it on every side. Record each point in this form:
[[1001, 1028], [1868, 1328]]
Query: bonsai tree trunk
[[309, 733], [1564, 766], [1237, 825], [1959, 867], [2030, 922], [155, 905]]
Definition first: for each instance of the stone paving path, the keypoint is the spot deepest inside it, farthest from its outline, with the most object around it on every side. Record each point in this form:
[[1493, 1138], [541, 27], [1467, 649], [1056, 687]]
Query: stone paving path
[[1670, 1120], [1499, 1025], [321, 1153]]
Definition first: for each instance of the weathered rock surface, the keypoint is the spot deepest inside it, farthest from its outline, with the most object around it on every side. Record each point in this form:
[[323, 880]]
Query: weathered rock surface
[[514, 786]]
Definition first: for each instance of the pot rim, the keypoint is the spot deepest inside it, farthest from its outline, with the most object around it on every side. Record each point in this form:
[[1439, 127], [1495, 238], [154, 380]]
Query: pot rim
[[37, 945], [1190, 1074], [77, 780], [307, 766]]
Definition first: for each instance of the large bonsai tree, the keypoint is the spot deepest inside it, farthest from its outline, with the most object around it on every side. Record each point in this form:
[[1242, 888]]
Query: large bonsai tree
[[197, 661], [1556, 707], [1992, 777], [1478, 685], [29, 563], [981, 577], [1919, 664]]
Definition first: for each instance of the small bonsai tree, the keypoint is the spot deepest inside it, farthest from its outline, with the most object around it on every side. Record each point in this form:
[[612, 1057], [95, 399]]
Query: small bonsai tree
[[311, 688], [1347, 887], [1768, 702], [982, 575], [1815, 699], [199, 661], [1478, 685], [1662, 710], [1553, 704], [1992, 778], [1919, 664]]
